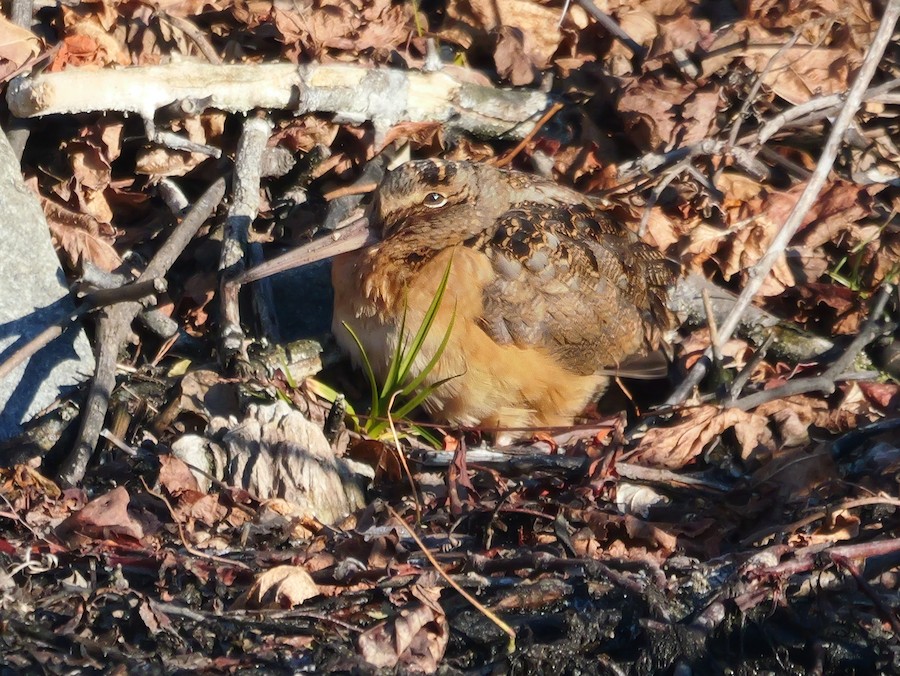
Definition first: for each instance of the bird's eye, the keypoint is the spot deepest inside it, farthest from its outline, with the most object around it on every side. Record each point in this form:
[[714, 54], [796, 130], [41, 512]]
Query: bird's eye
[[434, 200]]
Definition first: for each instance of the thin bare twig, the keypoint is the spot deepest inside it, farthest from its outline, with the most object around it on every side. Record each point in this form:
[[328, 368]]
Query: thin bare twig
[[825, 382], [174, 141], [714, 339], [508, 157], [737, 386], [198, 37], [779, 160], [347, 190], [614, 29], [115, 326], [886, 611], [188, 546], [814, 109], [821, 103], [92, 301], [93, 278], [818, 515], [466, 595], [760, 271], [402, 456], [670, 175]]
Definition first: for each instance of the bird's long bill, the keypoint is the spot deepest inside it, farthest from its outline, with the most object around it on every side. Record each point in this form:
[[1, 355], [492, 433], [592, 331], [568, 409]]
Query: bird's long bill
[[354, 236]]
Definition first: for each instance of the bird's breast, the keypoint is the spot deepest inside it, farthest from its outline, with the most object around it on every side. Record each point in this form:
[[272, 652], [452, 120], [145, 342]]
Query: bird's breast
[[488, 383], [375, 296]]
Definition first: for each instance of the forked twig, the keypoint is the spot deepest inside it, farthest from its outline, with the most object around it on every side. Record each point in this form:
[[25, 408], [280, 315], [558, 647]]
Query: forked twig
[[115, 326], [760, 271], [825, 382], [92, 301], [760, 77]]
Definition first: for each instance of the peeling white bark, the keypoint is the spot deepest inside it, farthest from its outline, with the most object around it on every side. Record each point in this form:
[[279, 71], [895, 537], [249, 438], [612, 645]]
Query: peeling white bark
[[356, 94]]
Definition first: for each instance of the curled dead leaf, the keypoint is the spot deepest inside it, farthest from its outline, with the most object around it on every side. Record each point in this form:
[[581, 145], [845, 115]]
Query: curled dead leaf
[[380, 456], [512, 60], [175, 476], [79, 237], [659, 116], [674, 446], [105, 518], [415, 638], [538, 25], [281, 587], [17, 46]]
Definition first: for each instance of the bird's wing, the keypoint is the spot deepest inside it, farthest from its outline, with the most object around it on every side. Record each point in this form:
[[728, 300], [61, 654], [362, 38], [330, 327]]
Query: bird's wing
[[571, 281]]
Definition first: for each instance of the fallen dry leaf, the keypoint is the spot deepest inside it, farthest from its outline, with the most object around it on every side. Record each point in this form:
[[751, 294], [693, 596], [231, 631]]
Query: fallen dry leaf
[[537, 24], [661, 115], [78, 236], [796, 74], [385, 27], [674, 446], [17, 46], [279, 588], [513, 62], [820, 20], [381, 457], [416, 638], [638, 499], [202, 508], [642, 27], [658, 537], [331, 26], [175, 476], [104, 518], [885, 396], [796, 473], [842, 525], [301, 135]]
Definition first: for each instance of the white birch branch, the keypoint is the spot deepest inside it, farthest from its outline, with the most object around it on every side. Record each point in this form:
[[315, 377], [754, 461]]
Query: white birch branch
[[356, 94]]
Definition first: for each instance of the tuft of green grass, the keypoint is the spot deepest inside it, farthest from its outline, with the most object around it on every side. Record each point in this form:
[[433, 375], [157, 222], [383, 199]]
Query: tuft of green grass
[[400, 389], [853, 277]]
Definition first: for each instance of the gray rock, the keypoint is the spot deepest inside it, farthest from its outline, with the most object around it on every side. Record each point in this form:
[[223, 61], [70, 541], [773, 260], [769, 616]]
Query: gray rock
[[33, 294]]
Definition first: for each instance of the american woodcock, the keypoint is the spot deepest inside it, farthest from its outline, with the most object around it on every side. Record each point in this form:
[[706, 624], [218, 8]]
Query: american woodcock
[[546, 293]]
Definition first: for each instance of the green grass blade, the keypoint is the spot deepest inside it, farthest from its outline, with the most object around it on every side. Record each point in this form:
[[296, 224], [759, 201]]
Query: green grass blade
[[429, 367], [379, 427], [403, 359], [394, 376], [370, 374], [430, 315], [407, 407], [427, 436]]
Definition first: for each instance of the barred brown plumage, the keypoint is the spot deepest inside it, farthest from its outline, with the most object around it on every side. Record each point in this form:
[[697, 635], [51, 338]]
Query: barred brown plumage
[[547, 295], [548, 292]]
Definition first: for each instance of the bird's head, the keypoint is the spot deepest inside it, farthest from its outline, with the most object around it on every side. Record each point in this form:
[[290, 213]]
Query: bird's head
[[420, 207], [436, 203]]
